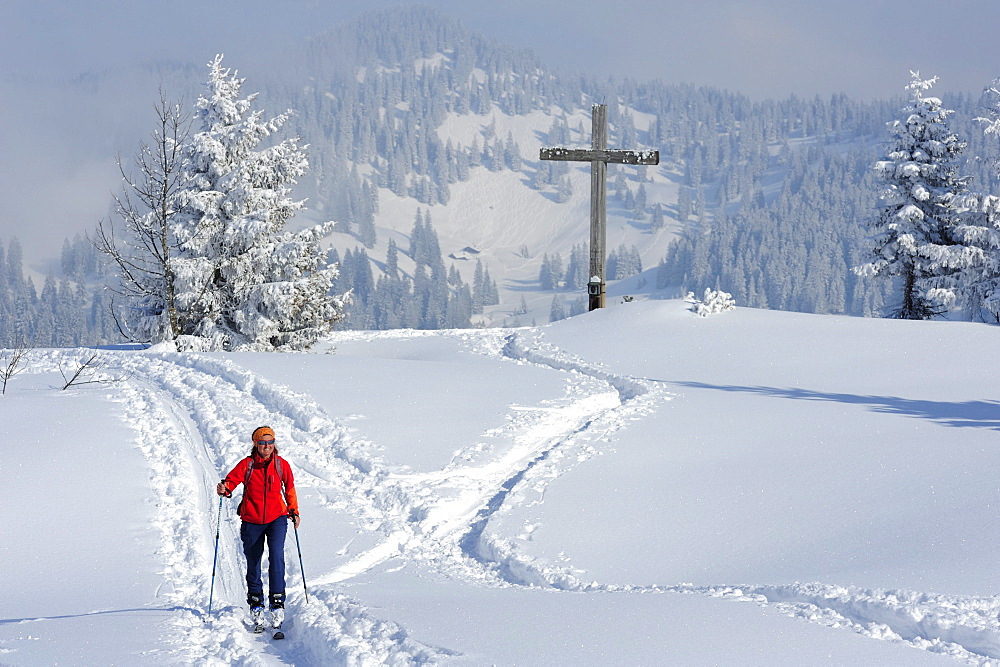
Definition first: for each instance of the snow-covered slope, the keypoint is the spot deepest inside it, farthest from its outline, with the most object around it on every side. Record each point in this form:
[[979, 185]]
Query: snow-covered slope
[[637, 485], [498, 214]]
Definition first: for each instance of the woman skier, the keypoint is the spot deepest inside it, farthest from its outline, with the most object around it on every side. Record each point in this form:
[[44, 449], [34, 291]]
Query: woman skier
[[269, 500]]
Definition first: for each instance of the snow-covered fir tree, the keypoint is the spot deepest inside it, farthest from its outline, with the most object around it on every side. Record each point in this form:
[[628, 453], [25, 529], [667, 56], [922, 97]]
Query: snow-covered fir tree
[[243, 282], [914, 240], [977, 288], [712, 302], [578, 270], [657, 221], [623, 263], [551, 272], [557, 311], [979, 284], [484, 289]]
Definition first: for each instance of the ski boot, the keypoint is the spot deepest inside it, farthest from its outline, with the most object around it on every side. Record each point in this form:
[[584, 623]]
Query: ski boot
[[256, 602], [277, 614]]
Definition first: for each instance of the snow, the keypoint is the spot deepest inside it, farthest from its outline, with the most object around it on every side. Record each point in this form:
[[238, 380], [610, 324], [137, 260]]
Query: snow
[[637, 485]]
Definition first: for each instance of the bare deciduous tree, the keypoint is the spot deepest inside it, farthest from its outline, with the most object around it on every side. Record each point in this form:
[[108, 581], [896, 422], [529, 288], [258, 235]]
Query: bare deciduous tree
[[12, 361], [142, 247], [89, 370]]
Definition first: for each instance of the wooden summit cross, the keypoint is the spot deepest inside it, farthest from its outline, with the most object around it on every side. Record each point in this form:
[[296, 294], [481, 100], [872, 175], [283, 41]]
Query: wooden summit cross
[[599, 156]]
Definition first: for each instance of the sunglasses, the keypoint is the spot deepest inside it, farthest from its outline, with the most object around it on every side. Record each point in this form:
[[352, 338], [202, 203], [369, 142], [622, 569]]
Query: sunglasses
[[265, 442]]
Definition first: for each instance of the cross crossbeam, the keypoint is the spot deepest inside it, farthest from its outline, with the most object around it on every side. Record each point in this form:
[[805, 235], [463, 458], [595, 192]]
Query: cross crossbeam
[[607, 156], [598, 156]]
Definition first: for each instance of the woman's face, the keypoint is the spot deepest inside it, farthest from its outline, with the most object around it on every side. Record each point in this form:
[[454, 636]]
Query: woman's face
[[265, 447]]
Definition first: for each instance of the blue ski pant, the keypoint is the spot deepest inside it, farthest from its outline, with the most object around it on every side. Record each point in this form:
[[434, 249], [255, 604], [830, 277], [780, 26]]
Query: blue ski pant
[[254, 535]]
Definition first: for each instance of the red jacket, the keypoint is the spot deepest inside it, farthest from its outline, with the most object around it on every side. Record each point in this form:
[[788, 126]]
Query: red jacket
[[266, 496]]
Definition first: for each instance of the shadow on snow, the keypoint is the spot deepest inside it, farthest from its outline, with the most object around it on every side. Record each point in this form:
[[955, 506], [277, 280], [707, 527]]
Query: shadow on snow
[[976, 414]]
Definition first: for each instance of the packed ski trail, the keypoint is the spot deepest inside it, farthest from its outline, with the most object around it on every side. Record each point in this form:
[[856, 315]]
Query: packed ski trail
[[190, 413]]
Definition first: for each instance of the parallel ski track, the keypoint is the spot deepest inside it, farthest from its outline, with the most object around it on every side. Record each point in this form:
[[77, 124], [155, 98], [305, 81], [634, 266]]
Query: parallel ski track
[[190, 414]]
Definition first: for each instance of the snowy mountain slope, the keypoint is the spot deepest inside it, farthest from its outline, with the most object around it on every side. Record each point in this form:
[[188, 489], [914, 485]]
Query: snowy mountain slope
[[498, 213], [505, 496], [427, 114]]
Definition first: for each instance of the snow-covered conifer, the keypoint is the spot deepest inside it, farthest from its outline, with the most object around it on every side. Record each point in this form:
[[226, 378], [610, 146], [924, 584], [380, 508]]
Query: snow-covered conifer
[[491, 296], [657, 222], [611, 266], [578, 270], [979, 286], [914, 240], [545, 273], [392, 260], [479, 290], [245, 283], [712, 302], [557, 311]]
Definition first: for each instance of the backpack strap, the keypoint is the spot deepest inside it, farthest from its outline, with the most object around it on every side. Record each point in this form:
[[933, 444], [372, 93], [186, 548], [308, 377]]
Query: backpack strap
[[246, 480], [279, 468]]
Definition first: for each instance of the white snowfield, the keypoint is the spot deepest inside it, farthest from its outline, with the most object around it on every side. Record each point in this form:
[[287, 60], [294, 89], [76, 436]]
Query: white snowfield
[[638, 485]]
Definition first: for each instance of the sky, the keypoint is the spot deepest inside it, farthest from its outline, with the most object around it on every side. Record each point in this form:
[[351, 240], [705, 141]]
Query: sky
[[763, 49], [773, 48]]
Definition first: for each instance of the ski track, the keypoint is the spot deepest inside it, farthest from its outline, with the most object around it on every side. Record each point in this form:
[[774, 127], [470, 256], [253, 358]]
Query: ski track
[[200, 405]]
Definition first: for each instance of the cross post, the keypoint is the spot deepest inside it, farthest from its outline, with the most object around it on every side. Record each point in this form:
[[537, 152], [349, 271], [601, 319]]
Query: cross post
[[599, 156]]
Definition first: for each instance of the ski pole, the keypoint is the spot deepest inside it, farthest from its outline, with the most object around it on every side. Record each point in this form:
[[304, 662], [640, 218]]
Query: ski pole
[[215, 559], [301, 569]]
